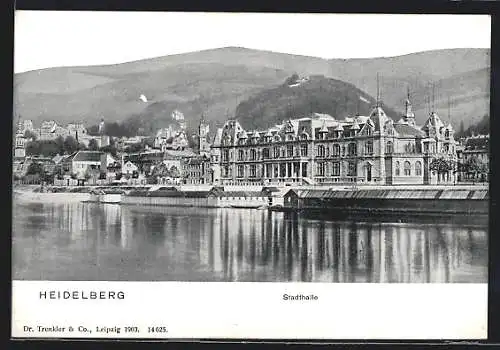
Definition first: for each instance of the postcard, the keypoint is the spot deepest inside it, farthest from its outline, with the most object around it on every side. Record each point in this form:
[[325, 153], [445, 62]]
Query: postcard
[[250, 175]]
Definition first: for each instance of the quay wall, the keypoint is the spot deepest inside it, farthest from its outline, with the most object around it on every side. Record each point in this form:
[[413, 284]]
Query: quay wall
[[170, 201], [402, 201]]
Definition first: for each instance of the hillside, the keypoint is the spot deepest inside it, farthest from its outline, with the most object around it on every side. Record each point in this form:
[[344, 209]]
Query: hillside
[[317, 94], [215, 81]]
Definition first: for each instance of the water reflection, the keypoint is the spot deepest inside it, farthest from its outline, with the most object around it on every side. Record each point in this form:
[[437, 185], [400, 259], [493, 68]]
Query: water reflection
[[83, 241]]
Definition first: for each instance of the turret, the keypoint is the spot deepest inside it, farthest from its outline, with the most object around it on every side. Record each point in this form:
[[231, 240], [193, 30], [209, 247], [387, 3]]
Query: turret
[[409, 115]]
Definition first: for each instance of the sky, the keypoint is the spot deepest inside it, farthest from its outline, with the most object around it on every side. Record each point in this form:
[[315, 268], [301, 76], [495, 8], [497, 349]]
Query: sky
[[44, 39]]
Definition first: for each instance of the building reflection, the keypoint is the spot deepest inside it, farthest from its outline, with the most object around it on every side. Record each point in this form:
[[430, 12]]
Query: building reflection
[[252, 245], [288, 248]]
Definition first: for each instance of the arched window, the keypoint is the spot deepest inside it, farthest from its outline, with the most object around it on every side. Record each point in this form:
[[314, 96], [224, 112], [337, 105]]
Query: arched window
[[352, 149], [265, 153], [276, 152], [336, 150], [389, 148], [407, 168], [303, 136], [397, 169], [321, 151], [418, 168], [253, 154]]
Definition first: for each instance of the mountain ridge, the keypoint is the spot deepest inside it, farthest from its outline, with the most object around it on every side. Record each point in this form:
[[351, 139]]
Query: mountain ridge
[[216, 80]]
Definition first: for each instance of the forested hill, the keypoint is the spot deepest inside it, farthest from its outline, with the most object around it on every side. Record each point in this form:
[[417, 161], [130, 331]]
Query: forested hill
[[298, 97]]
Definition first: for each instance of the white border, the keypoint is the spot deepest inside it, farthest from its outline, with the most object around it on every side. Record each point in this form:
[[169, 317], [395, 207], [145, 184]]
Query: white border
[[257, 310]]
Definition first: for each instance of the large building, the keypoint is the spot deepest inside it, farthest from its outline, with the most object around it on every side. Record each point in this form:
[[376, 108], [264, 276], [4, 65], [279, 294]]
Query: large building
[[319, 149]]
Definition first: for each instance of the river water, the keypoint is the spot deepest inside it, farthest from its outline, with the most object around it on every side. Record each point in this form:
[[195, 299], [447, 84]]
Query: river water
[[88, 241]]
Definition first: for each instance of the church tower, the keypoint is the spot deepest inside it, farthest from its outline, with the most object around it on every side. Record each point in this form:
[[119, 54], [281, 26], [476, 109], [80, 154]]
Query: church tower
[[409, 115], [104, 139], [203, 130]]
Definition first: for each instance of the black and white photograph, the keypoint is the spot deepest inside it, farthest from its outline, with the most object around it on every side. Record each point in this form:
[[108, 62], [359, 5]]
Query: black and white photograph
[[251, 147]]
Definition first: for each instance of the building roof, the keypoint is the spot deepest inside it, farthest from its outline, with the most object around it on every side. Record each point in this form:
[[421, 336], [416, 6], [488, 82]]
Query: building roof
[[407, 130], [86, 156], [477, 143], [180, 153]]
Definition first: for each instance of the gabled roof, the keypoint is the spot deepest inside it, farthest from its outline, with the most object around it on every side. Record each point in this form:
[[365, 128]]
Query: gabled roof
[[407, 130]]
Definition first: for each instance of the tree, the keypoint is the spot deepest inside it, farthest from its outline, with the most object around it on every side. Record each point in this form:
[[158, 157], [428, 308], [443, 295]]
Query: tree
[[441, 165], [93, 146], [30, 135], [135, 148], [474, 167], [291, 80], [35, 168], [70, 145], [109, 149], [60, 144], [174, 172]]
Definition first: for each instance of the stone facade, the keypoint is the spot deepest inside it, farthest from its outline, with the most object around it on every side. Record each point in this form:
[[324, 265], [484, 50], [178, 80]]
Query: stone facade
[[319, 149]]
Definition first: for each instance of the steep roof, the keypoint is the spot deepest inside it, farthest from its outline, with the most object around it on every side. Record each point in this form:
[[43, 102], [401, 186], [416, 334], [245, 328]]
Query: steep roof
[[87, 156]]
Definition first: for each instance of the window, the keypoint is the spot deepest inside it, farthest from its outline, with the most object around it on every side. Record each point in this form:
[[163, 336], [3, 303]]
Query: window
[[269, 170], [276, 152], [336, 169], [447, 134], [276, 171], [253, 170], [369, 147], [282, 170], [352, 149], [241, 171], [321, 151], [321, 169], [303, 136], [289, 151], [336, 150], [241, 155], [265, 153], [225, 171], [407, 168], [389, 148], [253, 154], [351, 171], [225, 155], [397, 169], [303, 150], [418, 168]]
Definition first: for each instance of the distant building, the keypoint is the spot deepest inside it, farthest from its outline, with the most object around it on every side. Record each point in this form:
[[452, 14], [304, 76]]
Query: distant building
[[203, 143], [129, 168], [19, 145], [78, 131], [196, 170], [82, 161], [476, 147], [179, 117], [104, 139]]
